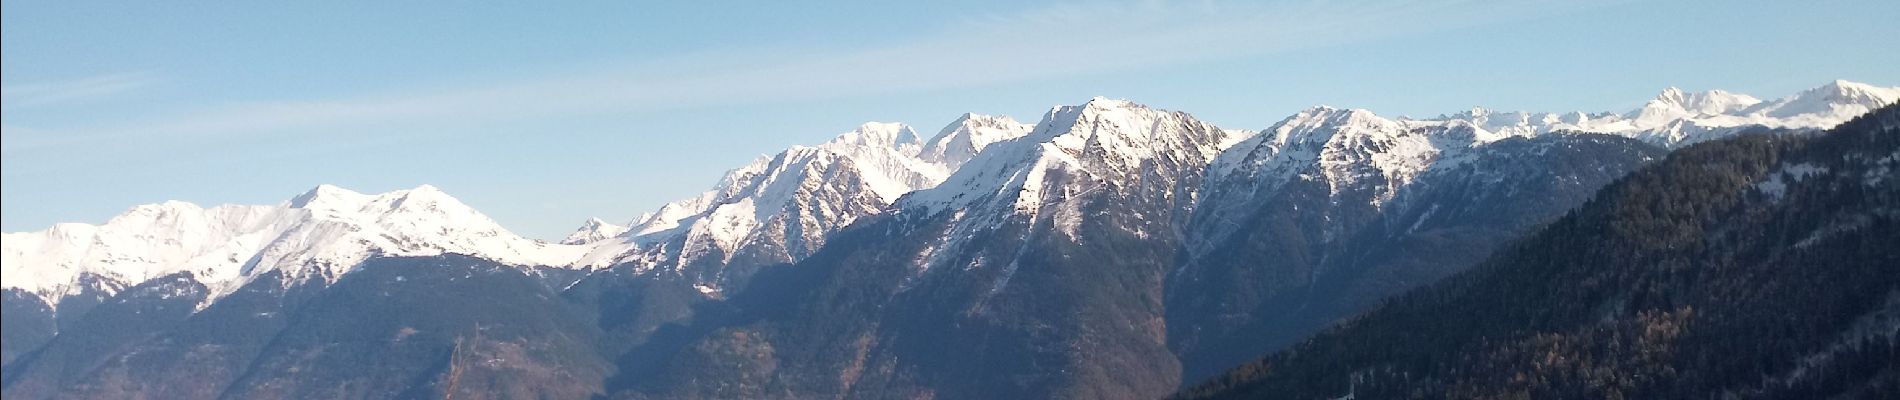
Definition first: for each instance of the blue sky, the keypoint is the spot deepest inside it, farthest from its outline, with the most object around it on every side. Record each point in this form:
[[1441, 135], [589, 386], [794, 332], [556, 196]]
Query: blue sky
[[542, 117]]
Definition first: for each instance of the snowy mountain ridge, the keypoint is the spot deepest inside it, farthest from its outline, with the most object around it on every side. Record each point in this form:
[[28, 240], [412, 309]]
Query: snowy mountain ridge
[[1677, 118], [1401, 148], [1356, 152], [321, 234], [1109, 138], [781, 207]]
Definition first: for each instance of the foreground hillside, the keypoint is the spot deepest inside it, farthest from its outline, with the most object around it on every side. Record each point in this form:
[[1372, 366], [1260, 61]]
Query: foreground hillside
[[1755, 267]]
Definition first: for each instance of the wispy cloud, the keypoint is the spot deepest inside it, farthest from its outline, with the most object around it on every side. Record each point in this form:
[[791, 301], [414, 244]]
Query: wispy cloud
[[42, 93], [1076, 39]]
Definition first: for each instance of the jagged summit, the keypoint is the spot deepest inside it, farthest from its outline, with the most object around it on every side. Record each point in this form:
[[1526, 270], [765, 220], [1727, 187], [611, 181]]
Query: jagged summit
[[1103, 144], [1347, 149]]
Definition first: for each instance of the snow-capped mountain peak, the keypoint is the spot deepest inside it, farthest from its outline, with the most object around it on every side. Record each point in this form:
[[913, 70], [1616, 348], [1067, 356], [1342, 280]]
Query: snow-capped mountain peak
[[594, 230], [878, 135], [1318, 124], [1124, 132], [1675, 104], [327, 196], [1843, 91], [1828, 104], [970, 133], [1346, 149], [1077, 159], [320, 234], [1102, 140]]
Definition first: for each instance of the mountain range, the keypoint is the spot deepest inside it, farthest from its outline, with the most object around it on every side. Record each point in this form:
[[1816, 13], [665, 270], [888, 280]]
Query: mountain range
[[1109, 250]]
